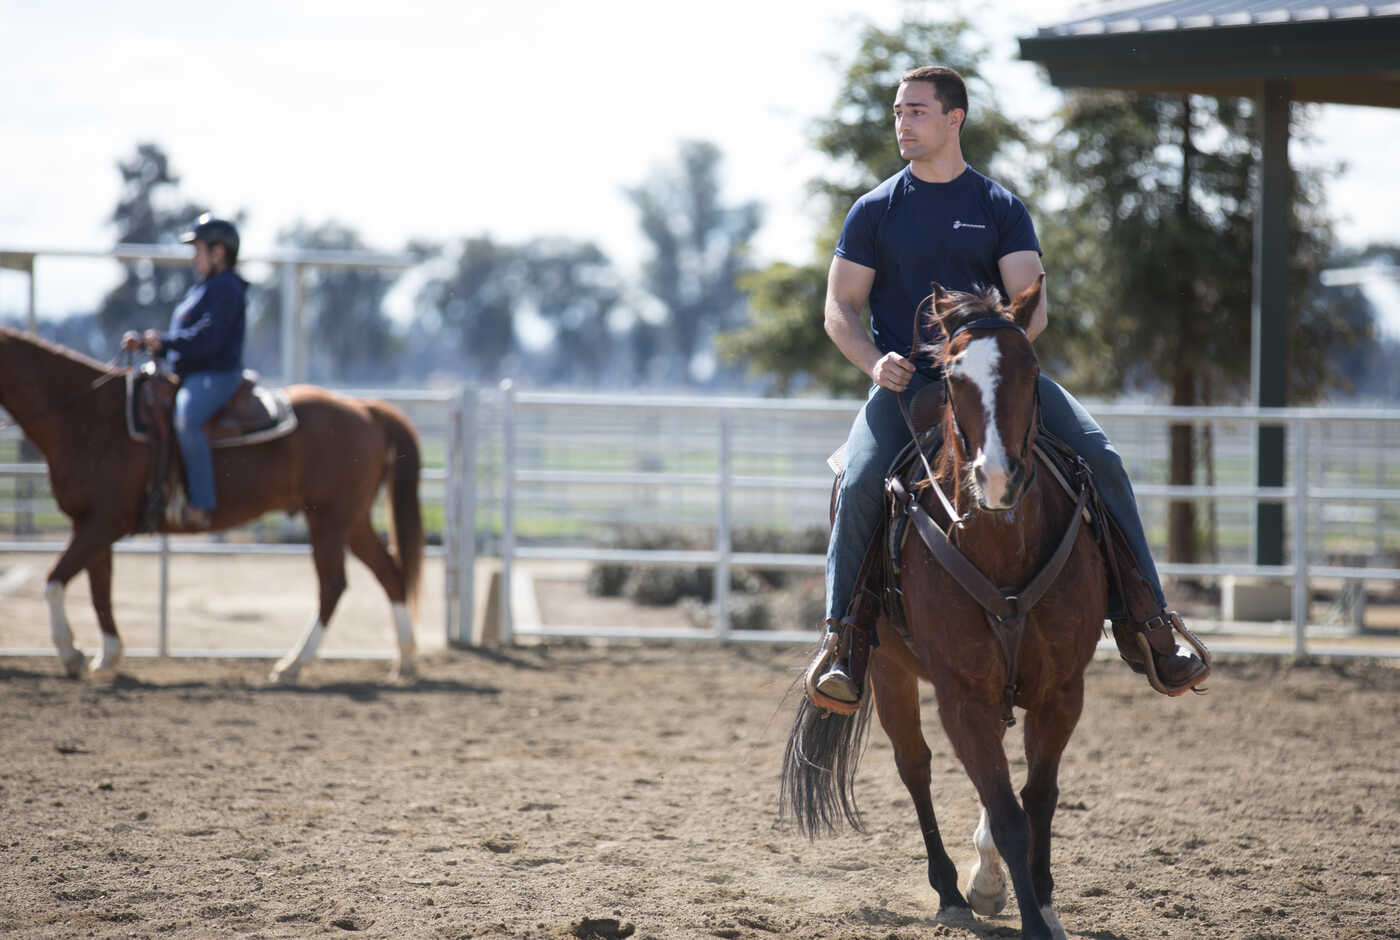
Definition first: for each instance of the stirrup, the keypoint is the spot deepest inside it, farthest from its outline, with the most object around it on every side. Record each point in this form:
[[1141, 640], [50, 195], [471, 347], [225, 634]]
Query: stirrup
[[1170, 621], [827, 654]]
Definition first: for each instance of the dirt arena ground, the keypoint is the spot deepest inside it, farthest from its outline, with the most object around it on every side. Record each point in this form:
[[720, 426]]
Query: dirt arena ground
[[591, 791], [575, 790]]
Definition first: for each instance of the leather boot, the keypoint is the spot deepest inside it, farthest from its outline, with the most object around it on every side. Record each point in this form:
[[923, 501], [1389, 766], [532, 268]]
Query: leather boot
[[194, 519], [828, 680], [1174, 669]]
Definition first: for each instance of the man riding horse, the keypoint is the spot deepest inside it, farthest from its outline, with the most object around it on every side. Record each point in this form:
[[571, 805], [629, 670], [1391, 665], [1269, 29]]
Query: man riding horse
[[939, 220], [204, 347]]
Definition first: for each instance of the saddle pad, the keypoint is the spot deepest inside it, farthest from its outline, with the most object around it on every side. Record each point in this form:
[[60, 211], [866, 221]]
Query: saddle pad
[[276, 401]]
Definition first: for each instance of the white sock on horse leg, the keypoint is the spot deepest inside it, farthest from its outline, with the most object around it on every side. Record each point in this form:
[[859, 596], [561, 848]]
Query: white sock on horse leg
[[403, 631], [58, 619]]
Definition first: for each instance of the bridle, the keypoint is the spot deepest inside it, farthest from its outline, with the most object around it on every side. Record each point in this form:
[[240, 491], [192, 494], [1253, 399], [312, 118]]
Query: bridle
[[982, 323]]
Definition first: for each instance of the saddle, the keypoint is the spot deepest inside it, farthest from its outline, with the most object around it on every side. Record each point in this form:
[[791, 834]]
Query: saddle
[[252, 415]]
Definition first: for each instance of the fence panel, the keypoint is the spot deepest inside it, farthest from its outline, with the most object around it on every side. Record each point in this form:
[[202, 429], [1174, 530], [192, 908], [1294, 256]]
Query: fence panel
[[582, 470]]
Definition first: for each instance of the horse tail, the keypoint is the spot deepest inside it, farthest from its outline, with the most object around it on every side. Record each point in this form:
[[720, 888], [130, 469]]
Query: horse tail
[[819, 768], [405, 515]]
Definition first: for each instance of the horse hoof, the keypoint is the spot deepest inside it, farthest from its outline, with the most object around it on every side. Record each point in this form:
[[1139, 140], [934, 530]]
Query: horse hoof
[[954, 915], [105, 672], [1057, 930], [988, 905], [75, 664], [285, 675], [405, 671]]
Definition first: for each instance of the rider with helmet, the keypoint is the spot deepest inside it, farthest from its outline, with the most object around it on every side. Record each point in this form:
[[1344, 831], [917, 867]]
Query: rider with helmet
[[204, 347]]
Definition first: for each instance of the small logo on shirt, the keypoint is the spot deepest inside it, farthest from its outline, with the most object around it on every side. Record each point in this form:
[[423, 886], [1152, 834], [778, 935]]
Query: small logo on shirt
[[958, 223]]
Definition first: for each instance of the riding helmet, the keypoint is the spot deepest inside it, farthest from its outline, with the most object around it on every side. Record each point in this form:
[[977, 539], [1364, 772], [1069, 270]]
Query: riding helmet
[[212, 232]]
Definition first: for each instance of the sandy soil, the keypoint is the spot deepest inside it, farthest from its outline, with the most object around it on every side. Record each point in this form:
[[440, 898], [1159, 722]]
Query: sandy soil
[[575, 791]]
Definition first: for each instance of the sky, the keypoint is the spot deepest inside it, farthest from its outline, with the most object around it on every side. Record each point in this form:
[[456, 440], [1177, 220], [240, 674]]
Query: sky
[[437, 119]]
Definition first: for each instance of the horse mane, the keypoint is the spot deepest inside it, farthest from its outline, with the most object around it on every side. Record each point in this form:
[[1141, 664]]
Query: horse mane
[[10, 334], [956, 308]]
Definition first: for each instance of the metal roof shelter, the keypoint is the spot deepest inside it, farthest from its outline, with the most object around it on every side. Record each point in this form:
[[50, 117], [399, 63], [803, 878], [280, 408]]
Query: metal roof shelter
[[1276, 52], [290, 263]]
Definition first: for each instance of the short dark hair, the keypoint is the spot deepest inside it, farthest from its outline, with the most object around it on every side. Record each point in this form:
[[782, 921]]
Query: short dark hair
[[948, 86]]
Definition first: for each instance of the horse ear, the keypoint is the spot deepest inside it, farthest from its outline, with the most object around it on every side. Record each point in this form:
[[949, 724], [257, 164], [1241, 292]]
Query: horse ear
[[1023, 307], [940, 300]]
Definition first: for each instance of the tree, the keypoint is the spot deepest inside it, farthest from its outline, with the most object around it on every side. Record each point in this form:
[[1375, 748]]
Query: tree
[[352, 338], [697, 253], [150, 211], [477, 302], [569, 287], [574, 288], [785, 342], [1156, 240]]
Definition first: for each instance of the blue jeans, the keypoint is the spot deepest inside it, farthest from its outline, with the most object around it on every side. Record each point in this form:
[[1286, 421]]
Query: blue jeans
[[200, 395], [879, 434]]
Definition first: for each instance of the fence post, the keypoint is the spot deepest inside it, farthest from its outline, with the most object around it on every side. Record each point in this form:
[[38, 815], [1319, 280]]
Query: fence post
[[163, 640], [723, 541], [1300, 536], [466, 517], [507, 632], [451, 525]]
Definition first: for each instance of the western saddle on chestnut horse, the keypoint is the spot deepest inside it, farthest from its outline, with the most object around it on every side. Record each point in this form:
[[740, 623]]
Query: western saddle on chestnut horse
[[253, 415]]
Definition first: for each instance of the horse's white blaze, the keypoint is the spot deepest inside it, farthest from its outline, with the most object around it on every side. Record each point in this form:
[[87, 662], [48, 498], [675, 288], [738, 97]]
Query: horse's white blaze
[[987, 889], [106, 662], [979, 365], [289, 666]]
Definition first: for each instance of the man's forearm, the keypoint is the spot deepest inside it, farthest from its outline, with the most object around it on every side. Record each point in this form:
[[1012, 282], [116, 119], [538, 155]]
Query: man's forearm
[[848, 333]]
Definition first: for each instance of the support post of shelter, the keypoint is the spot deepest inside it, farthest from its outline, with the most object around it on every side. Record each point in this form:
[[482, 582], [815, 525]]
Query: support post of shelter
[[1269, 312]]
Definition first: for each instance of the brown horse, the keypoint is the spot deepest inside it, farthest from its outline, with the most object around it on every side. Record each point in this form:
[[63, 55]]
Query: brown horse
[[1010, 520], [330, 468]]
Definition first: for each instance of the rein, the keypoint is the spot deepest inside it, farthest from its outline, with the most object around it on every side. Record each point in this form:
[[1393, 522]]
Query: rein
[[112, 371]]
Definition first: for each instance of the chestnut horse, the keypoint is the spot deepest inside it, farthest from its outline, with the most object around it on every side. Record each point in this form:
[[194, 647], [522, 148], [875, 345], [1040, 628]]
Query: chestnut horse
[[1009, 522], [330, 468]]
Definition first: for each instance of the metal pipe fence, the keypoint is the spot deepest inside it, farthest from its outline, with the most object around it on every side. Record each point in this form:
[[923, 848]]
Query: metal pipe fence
[[537, 477], [672, 460]]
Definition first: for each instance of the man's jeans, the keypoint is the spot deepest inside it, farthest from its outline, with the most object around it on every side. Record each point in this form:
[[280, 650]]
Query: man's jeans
[[879, 434], [200, 395]]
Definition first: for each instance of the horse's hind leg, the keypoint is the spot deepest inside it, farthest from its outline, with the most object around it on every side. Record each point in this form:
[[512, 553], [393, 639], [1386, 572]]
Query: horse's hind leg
[[99, 571], [975, 731], [367, 547], [328, 552], [1048, 730], [897, 704]]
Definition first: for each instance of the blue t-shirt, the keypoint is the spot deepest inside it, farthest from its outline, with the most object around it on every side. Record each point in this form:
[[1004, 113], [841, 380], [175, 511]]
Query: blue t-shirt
[[207, 328], [914, 233]]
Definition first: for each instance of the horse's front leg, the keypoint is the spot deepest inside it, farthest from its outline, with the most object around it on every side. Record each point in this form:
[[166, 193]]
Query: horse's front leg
[[897, 703], [1048, 729], [975, 730], [85, 541], [99, 571]]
